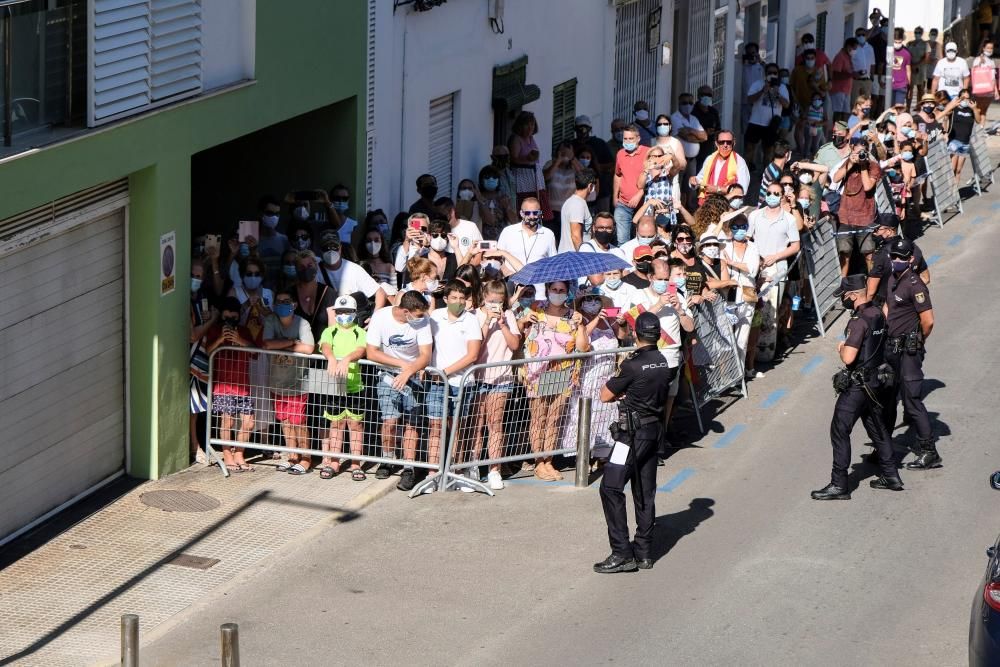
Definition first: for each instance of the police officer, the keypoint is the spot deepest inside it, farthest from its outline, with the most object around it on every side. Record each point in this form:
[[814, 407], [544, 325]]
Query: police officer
[[641, 384], [857, 386], [881, 269], [910, 319]]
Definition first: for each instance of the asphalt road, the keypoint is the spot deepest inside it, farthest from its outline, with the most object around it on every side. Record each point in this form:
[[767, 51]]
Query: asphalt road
[[749, 569]]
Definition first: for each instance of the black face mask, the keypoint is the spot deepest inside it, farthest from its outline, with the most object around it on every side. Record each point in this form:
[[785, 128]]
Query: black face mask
[[929, 109], [231, 321], [603, 237], [644, 267], [308, 274], [429, 191], [839, 141]]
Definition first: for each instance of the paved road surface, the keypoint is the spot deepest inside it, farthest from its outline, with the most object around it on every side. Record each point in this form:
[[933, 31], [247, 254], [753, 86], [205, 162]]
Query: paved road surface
[[750, 570]]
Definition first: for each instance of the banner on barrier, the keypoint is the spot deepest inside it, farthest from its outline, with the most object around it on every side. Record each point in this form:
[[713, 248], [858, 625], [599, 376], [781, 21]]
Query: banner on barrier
[[943, 185], [823, 267], [982, 163]]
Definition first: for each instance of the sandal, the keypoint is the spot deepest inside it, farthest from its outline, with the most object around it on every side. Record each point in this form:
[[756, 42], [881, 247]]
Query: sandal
[[232, 467], [298, 469], [328, 472], [246, 467], [284, 466], [358, 475]]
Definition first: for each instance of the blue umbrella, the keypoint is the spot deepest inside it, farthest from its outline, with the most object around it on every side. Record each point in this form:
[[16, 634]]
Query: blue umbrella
[[568, 266]]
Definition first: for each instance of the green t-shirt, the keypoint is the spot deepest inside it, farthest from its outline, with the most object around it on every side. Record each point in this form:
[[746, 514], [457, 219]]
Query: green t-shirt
[[342, 342]]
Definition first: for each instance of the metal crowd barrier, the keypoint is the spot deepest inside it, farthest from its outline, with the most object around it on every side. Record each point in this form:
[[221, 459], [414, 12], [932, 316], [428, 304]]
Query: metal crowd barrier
[[822, 267], [714, 364], [501, 424], [943, 184], [982, 163], [310, 413], [884, 201]]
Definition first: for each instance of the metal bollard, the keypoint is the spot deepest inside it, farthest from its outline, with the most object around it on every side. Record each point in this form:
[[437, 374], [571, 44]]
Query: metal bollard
[[583, 444], [230, 644], [130, 640]]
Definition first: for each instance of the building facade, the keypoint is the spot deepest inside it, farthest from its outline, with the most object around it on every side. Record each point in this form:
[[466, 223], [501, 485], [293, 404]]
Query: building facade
[[168, 116]]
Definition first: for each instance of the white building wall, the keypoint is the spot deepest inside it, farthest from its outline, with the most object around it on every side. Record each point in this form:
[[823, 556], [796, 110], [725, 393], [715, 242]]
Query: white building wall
[[926, 13], [799, 17], [452, 48]]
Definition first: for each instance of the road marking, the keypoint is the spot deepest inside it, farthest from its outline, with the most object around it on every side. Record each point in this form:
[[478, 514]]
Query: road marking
[[841, 337], [535, 480], [955, 240], [729, 436], [977, 220], [933, 259], [773, 398], [676, 480], [812, 365], [995, 206]]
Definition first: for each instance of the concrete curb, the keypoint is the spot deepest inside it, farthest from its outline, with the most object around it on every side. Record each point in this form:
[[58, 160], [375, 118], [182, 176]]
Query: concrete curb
[[377, 490]]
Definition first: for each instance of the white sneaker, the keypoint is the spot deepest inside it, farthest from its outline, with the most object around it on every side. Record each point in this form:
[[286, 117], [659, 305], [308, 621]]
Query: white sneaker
[[495, 480], [199, 457]]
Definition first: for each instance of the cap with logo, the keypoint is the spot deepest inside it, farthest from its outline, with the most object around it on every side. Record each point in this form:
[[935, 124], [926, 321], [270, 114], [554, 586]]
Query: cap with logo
[[852, 283], [901, 248], [345, 303], [642, 251]]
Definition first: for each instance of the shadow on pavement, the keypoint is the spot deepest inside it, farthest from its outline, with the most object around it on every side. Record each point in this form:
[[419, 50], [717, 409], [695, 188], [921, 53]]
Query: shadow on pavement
[[670, 528]]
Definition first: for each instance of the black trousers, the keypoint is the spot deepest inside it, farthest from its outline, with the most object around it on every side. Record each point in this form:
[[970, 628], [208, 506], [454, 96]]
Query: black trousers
[[640, 468], [909, 387], [852, 405]]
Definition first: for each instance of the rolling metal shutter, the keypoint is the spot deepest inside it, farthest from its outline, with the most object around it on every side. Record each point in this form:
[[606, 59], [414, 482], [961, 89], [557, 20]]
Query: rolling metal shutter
[[563, 113], [699, 33], [62, 364], [144, 52], [635, 64], [440, 142]]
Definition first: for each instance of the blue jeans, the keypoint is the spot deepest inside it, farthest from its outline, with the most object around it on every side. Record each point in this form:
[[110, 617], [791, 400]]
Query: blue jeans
[[623, 223]]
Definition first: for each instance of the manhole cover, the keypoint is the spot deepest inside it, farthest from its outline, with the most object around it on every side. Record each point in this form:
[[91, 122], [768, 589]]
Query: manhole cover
[[179, 501]]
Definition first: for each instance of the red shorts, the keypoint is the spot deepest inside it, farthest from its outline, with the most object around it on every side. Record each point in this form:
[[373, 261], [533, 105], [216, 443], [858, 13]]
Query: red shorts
[[291, 409]]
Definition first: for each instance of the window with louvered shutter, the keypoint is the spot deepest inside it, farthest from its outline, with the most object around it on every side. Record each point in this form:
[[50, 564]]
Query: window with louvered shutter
[[440, 142], [821, 31], [563, 113], [175, 65]]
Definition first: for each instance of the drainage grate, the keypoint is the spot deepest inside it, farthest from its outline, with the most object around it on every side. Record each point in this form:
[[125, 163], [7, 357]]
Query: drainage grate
[[179, 501], [196, 562]]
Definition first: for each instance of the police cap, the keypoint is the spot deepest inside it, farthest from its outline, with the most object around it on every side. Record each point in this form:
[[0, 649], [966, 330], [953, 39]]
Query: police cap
[[852, 283], [647, 327], [889, 220], [901, 248]]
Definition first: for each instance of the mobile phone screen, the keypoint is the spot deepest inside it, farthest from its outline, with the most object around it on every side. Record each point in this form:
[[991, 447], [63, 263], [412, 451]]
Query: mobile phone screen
[[415, 224], [612, 312], [672, 289]]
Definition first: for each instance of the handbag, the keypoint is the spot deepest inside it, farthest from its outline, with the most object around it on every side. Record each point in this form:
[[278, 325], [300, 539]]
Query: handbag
[[749, 294], [983, 81]]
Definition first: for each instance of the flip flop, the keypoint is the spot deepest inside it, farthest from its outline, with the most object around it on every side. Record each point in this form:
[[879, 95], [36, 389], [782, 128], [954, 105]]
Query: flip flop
[[232, 467], [246, 467], [358, 475], [328, 472], [284, 466], [298, 469]]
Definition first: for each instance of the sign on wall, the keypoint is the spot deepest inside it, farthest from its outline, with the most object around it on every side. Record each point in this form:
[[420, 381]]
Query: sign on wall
[[168, 263]]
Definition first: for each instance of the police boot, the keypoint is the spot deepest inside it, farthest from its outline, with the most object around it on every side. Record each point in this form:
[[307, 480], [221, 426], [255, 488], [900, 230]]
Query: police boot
[[884, 483], [928, 458], [615, 563], [831, 492]]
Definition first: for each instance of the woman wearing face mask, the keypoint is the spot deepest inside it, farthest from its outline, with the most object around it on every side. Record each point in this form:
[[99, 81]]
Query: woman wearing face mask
[[202, 319], [469, 275], [716, 273], [964, 116], [289, 274], [525, 162], [422, 275], [313, 298], [743, 262], [471, 205], [499, 204], [239, 252], [926, 118], [903, 178], [375, 254], [985, 86], [560, 179], [551, 329], [695, 284], [670, 144], [256, 303]]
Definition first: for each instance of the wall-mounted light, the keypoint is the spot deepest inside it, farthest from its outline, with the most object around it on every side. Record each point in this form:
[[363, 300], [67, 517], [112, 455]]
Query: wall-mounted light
[[666, 50]]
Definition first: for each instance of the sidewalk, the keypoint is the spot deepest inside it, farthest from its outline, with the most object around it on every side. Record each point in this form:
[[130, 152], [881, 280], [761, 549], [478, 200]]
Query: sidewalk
[[61, 604]]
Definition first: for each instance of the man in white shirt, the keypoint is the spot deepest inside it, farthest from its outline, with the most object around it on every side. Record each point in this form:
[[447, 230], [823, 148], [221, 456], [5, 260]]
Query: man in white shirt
[[951, 74], [776, 236], [466, 232], [527, 242], [863, 61], [400, 337], [688, 129], [645, 233], [457, 340], [347, 277], [723, 168], [604, 237], [768, 98], [575, 218]]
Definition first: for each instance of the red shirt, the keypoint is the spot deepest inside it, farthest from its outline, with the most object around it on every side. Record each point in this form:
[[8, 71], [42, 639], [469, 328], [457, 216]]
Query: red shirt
[[842, 73], [627, 168], [231, 368], [857, 205]]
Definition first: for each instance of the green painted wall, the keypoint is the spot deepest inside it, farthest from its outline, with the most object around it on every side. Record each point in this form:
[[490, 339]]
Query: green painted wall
[[301, 65]]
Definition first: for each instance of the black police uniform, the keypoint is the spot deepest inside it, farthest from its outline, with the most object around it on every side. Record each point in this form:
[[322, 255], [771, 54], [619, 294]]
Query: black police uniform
[[866, 332], [644, 379], [907, 297], [882, 267]]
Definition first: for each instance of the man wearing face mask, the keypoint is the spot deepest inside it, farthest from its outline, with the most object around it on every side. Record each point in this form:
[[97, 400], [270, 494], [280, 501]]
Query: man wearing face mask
[[864, 62], [603, 238], [919, 53], [885, 238], [858, 388], [626, 193], [952, 73], [687, 128], [856, 178], [644, 123], [575, 216], [617, 137], [645, 233], [466, 234], [272, 244], [910, 319], [346, 277], [723, 168], [642, 260], [901, 74], [500, 161], [427, 188], [769, 98], [603, 157], [753, 71], [528, 241], [710, 121], [339, 202]]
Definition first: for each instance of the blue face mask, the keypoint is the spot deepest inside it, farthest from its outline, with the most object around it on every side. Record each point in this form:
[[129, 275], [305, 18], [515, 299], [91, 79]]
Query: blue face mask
[[244, 250], [861, 40], [629, 146], [346, 319], [739, 234], [686, 108], [252, 282], [909, 132], [900, 265], [584, 162], [680, 282], [736, 202], [340, 206], [645, 240], [490, 183], [525, 302], [705, 101], [659, 286], [907, 155], [663, 130], [195, 284], [284, 309], [289, 270], [772, 201], [891, 173], [613, 283]]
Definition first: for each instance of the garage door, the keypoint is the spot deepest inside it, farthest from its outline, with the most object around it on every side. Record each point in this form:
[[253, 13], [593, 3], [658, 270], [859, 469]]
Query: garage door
[[62, 370]]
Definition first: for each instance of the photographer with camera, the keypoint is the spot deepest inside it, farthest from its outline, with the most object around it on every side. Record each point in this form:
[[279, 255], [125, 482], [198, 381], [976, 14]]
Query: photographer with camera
[[767, 99], [855, 178], [858, 386], [641, 385]]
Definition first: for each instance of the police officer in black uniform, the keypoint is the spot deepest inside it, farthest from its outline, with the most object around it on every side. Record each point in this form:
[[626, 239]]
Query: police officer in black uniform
[[641, 384], [858, 387], [910, 318], [881, 269]]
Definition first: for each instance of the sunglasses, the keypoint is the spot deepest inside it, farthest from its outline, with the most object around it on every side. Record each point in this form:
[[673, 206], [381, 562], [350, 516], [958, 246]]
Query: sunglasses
[[724, 142], [252, 274], [683, 238], [439, 235], [736, 227], [663, 125], [531, 214], [302, 237], [341, 199], [335, 248]]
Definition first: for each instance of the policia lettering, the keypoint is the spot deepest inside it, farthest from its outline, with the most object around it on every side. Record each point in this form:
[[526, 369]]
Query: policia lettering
[[910, 319], [858, 388], [641, 386]]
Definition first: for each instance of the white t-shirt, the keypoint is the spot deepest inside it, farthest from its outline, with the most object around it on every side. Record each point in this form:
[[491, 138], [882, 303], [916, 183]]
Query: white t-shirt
[[623, 297], [951, 73], [670, 321], [527, 247], [467, 234], [575, 209], [451, 339], [349, 278], [679, 121], [397, 340], [863, 59], [591, 246], [771, 236], [346, 230], [765, 108]]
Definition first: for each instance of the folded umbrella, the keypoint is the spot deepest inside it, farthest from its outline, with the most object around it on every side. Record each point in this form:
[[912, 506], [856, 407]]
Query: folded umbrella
[[568, 266]]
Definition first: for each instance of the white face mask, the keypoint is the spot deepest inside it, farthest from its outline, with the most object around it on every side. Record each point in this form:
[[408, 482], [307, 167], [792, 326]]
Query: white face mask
[[557, 299], [466, 195], [591, 307], [270, 221], [712, 252], [373, 246], [805, 179], [331, 257], [642, 114], [439, 244], [432, 285]]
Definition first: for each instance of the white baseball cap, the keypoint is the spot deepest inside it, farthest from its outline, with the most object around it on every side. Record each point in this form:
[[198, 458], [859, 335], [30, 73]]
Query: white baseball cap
[[951, 46], [583, 120], [345, 303]]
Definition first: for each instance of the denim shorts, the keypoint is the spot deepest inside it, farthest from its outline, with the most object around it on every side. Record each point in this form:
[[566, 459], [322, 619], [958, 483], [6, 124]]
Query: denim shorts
[[435, 399], [395, 404], [956, 147]]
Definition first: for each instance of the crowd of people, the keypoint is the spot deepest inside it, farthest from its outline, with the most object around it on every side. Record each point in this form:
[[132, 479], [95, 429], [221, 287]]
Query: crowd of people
[[697, 226]]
